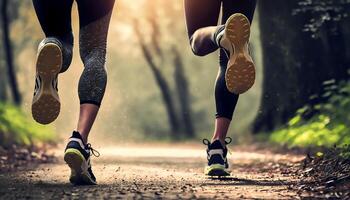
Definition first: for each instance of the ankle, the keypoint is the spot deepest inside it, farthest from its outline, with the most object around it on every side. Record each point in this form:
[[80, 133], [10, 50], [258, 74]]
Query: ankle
[[222, 141], [83, 137]]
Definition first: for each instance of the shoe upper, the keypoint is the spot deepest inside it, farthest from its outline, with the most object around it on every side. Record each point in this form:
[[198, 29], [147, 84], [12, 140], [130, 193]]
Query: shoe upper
[[66, 48], [76, 142], [49, 40], [216, 153], [219, 33], [227, 46], [37, 85], [222, 42]]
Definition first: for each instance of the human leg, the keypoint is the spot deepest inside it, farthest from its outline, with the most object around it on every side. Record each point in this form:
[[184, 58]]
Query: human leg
[[54, 56], [226, 100], [94, 22], [201, 21]]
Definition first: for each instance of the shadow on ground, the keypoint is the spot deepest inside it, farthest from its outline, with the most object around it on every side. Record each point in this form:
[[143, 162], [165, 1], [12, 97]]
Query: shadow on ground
[[151, 173]]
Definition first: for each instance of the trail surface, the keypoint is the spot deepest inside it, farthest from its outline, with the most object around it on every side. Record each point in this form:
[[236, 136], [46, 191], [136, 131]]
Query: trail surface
[[161, 172]]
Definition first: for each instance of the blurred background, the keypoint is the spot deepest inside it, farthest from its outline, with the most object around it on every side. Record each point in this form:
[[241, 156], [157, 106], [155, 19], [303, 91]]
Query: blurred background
[[158, 90]]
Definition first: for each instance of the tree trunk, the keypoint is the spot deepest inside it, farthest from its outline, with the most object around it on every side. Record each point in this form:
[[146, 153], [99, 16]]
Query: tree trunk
[[3, 94], [3, 78], [345, 28], [180, 121], [8, 54], [183, 94], [162, 84], [295, 65]]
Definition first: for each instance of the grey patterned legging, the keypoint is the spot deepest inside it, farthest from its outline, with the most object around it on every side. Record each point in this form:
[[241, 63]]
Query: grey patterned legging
[[94, 16]]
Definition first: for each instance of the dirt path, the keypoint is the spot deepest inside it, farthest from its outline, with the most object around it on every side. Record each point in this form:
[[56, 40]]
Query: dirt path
[[162, 172]]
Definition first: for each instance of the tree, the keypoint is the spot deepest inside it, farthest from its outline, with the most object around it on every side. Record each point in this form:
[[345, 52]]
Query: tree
[[183, 93], [330, 23], [3, 81], [8, 53], [161, 82], [295, 64], [180, 120]]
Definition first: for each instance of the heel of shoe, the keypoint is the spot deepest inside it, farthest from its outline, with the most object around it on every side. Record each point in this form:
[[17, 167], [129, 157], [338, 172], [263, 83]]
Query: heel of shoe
[[74, 159], [79, 168]]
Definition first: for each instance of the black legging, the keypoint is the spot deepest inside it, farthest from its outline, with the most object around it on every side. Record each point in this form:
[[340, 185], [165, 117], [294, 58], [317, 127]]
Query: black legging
[[201, 19], [94, 16]]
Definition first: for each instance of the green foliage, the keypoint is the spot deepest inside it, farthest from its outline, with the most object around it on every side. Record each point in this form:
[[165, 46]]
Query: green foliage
[[345, 152], [328, 125], [17, 128], [324, 12]]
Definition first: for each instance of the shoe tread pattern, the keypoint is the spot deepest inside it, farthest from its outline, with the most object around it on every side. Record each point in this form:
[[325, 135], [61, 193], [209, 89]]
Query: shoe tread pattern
[[46, 103], [240, 74]]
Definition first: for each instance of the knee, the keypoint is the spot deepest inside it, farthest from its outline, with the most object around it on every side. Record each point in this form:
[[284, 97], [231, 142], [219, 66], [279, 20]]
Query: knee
[[196, 47], [94, 51], [198, 52], [94, 69], [94, 59]]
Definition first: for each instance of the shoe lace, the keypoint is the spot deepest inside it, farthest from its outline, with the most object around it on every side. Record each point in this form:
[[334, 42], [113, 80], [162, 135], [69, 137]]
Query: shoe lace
[[206, 142], [93, 151], [228, 140]]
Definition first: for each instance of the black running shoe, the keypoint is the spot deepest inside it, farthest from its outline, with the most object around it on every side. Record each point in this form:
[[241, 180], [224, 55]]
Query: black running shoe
[[217, 161], [77, 156], [46, 103]]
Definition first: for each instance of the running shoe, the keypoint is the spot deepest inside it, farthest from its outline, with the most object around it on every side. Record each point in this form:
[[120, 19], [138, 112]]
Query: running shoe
[[46, 103], [77, 156], [240, 73], [217, 158]]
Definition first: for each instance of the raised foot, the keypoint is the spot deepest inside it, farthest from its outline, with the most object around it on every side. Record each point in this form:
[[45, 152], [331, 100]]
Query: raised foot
[[240, 74], [46, 103]]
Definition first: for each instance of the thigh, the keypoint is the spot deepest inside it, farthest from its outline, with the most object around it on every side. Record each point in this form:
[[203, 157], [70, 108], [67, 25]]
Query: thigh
[[54, 16], [246, 7], [201, 13], [93, 10], [94, 16]]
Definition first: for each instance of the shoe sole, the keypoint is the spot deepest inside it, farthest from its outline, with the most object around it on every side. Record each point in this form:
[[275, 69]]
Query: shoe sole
[[216, 170], [46, 103], [78, 166], [240, 74]]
